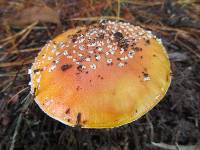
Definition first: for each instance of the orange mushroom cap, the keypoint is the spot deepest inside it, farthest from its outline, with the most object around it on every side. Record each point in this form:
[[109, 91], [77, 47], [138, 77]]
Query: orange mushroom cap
[[101, 76]]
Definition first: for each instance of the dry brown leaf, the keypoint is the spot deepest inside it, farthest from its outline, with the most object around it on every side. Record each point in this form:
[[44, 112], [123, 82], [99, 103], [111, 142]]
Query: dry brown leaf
[[35, 13]]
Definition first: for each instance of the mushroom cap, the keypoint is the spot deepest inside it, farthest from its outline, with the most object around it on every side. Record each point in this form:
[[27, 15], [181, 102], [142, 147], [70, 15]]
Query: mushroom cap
[[101, 76]]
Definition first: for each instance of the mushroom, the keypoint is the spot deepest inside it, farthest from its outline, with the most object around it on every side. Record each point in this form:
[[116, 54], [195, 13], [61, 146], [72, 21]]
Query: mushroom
[[101, 76]]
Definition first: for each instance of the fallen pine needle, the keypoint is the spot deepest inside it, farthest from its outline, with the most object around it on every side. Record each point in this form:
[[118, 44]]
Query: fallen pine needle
[[20, 33], [19, 119], [175, 147], [22, 51], [97, 18], [18, 63]]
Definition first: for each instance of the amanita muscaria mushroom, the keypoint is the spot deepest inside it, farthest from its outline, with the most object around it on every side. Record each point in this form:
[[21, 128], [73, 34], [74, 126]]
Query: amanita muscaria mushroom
[[100, 76]]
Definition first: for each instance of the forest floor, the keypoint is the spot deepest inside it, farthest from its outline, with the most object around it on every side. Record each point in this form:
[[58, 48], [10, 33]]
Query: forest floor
[[25, 26]]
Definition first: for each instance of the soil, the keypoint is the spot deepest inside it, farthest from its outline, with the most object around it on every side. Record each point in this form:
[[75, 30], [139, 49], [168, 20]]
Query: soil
[[25, 26]]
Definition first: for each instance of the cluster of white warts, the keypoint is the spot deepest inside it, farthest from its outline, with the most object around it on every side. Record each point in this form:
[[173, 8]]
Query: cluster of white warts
[[107, 46]]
